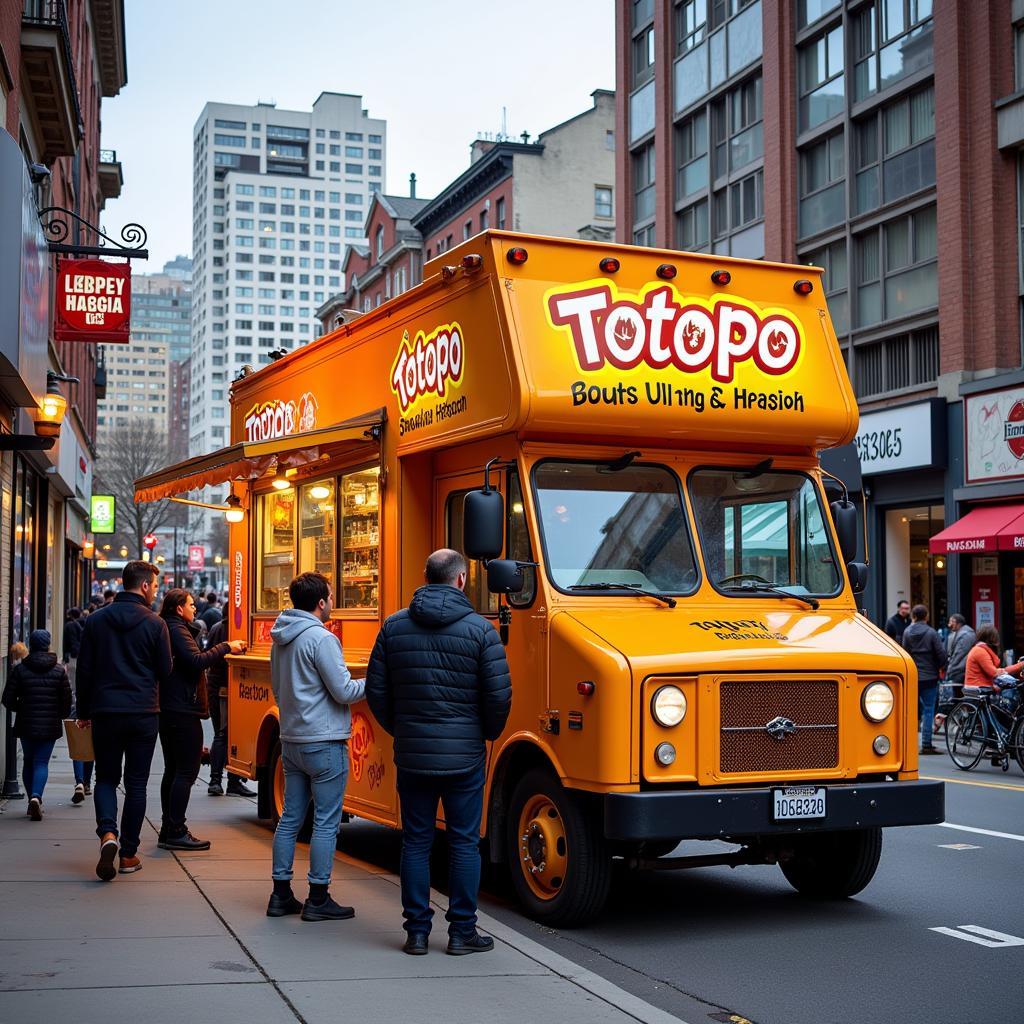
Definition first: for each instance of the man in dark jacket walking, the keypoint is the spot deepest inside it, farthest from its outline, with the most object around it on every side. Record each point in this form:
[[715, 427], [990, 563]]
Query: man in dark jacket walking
[[922, 643], [125, 654], [438, 681]]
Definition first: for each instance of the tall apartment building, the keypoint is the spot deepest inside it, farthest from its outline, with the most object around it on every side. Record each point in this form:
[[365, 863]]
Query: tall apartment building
[[138, 383], [277, 195], [880, 140], [165, 300]]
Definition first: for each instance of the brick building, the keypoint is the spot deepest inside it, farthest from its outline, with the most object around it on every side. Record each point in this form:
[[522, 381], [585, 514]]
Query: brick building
[[807, 131], [57, 61]]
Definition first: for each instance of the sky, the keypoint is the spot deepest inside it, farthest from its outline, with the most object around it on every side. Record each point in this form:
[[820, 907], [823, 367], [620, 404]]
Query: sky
[[439, 71]]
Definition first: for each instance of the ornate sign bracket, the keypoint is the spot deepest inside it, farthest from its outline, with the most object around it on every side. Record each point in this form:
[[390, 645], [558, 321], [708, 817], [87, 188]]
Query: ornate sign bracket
[[57, 222]]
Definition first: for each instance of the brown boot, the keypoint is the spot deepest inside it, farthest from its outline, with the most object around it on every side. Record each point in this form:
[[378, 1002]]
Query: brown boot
[[129, 865], [105, 870]]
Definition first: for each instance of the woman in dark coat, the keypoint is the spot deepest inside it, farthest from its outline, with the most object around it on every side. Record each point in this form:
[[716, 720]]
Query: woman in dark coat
[[39, 694], [183, 706]]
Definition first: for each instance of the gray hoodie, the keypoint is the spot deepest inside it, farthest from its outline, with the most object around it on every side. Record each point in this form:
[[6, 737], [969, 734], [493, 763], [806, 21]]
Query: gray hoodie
[[960, 644], [312, 685]]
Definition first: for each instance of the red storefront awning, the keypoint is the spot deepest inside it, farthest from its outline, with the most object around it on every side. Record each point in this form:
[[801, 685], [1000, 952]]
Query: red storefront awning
[[986, 529]]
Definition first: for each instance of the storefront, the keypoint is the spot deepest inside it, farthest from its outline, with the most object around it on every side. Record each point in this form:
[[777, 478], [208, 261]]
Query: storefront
[[987, 536]]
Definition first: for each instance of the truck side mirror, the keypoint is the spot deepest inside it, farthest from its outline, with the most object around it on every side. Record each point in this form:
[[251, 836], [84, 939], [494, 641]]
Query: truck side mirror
[[505, 576], [844, 515], [483, 524], [858, 573]]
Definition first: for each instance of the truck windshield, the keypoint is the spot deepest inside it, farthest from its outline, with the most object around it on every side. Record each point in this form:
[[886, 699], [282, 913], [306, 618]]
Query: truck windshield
[[605, 529], [761, 531]]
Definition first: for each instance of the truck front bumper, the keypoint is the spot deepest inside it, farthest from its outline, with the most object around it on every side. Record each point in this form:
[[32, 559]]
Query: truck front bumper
[[743, 813]]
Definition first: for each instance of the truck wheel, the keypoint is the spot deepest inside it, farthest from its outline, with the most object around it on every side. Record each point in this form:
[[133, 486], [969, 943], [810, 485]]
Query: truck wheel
[[833, 865], [560, 862]]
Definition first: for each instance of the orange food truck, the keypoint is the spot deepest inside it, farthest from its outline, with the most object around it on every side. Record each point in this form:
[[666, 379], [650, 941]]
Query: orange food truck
[[625, 442]]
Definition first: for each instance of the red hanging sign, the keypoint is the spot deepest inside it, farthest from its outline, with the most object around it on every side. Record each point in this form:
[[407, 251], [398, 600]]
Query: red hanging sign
[[93, 301], [196, 558]]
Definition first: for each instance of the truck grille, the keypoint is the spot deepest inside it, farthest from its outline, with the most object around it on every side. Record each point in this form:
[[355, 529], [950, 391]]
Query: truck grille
[[809, 705]]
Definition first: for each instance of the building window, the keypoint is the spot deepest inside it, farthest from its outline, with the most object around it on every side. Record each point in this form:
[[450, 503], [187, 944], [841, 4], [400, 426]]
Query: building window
[[644, 235], [736, 215], [835, 282], [691, 24], [692, 227], [897, 273], [354, 169], [500, 212], [896, 150], [822, 188], [891, 40], [692, 155], [238, 126], [380, 241], [467, 229], [643, 56], [238, 141], [483, 220], [809, 11], [909, 360], [603, 201], [643, 183], [820, 69], [737, 129]]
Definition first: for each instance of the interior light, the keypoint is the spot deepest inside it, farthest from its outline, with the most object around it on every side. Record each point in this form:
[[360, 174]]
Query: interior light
[[609, 265], [721, 277], [517, 254], [234, 513], [517, 507], [939, 563], [666, 271], [280, 482], [803, 287], [318, 492]]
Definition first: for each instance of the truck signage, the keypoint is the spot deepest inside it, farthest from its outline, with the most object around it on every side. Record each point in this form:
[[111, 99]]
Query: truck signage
[[427, 368], [279, 418]]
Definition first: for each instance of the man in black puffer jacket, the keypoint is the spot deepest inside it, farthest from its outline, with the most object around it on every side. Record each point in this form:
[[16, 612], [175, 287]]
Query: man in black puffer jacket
[[439, 683], [125, 655]]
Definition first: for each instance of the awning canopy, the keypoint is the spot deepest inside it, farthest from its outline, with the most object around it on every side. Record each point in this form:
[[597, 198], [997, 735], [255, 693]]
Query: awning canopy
[[248, 460], [986, 529]]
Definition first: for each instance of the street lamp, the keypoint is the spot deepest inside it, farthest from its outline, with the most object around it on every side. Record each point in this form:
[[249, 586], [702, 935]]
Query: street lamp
[[50, 413], [124, 552]]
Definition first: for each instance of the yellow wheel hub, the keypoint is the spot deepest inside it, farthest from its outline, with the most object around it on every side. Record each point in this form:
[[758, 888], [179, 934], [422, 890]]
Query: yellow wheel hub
[[542, 847]]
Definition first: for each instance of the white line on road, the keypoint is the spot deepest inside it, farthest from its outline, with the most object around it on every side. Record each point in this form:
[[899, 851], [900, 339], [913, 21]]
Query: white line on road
[[975, 933], [982, 831], [958, 846]]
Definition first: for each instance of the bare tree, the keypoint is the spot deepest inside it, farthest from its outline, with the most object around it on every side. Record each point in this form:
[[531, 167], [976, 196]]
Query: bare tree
[[127, 453]]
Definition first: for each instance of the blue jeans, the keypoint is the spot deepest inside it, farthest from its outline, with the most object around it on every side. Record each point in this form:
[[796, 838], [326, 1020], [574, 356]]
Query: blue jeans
[[926, 694], [462, 797], [317, 771], [83, 772], [36, 769]]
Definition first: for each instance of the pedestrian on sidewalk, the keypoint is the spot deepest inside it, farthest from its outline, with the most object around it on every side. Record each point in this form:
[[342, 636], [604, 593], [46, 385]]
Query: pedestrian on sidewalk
[[39, 694], [438, 681], [73, 629], [313, 689], [217, 697], [922, 643], [183, 705], [125, 655], [897, 623], [211, 613]]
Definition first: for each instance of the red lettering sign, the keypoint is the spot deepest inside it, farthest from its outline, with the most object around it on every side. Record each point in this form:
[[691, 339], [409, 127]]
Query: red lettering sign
[[196, 558], [93, 301]]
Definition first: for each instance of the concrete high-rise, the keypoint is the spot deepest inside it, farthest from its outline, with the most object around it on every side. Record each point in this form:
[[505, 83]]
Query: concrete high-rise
[[277, 195]]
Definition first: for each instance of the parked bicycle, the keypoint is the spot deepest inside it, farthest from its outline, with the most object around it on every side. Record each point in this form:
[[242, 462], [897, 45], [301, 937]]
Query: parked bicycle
[[986, 723]]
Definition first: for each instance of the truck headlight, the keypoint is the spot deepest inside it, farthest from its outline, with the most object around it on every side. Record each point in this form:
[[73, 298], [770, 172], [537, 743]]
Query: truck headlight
[[668, 706], [877, 702]]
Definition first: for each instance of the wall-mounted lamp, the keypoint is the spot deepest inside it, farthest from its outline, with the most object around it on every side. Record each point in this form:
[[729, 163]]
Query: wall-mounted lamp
[[234, 513], [50, 412]]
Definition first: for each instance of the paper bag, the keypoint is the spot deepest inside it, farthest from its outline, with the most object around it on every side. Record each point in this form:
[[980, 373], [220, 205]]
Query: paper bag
[[79, 741]]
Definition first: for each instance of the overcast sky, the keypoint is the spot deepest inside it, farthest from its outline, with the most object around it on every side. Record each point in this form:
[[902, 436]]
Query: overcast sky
[[439, 71]]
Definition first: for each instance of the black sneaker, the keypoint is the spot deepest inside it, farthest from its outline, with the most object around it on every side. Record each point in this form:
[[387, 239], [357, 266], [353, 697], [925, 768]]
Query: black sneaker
[[236, 787], [215, 789], [326, 911], [476, 943], [35, 809], [417, 944], [185, 842], [79, 794], [282, 906], [929, 749]]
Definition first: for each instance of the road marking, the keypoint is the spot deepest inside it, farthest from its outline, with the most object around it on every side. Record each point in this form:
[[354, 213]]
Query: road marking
[[958, 846], [981, 831], [972, 782], [975, 933]]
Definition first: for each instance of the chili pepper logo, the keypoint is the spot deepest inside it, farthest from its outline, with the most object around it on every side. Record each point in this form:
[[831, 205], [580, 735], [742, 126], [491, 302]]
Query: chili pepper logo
[[360, 743]]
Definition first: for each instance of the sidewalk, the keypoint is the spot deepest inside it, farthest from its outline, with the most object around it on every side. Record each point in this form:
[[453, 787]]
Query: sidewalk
[[187, 937]]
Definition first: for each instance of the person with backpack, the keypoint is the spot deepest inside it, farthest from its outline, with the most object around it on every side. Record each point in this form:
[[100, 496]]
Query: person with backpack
[[39, 693], [922, 643]]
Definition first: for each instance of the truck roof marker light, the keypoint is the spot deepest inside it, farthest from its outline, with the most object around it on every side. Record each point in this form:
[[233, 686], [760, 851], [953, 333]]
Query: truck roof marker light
[[585, 688], [472, 261], [609, 265], [721, 277], [517, 254], [666, 271], [803, 287], [447, 273]]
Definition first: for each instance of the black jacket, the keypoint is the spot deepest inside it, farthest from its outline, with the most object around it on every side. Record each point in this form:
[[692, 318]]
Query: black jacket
[[895, 625], [184, 691], [125, 654], [217, 673], [72, 637], [922, 643], [211, 616], [438, 682], [39, 694]]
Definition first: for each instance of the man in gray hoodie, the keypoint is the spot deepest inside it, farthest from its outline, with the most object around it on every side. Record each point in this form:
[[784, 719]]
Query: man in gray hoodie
[[313, 689]]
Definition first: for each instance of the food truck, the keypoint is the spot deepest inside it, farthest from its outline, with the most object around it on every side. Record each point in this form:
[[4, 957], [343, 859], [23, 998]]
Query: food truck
[[624, 441]]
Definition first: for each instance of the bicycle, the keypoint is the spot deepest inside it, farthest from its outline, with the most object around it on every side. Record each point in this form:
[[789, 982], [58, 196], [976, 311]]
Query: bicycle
[[985, 723]]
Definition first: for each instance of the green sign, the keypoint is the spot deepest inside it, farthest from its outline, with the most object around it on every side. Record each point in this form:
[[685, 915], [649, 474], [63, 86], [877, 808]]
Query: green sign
[[102, 513]]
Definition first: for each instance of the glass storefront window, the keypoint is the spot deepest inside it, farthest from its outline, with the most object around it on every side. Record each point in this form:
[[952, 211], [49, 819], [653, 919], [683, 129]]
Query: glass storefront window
[[276, 558], [360, 539], [317, 528]]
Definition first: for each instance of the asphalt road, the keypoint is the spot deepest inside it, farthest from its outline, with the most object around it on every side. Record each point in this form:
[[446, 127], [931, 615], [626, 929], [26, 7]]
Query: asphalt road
[[740, 944]]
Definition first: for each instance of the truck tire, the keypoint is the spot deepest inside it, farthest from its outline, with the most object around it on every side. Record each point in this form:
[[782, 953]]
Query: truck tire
[[558, 856], [833, 865]]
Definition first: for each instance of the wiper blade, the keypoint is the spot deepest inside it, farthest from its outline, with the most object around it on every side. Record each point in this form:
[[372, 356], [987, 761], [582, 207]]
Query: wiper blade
[[753, 586], [626, 588]]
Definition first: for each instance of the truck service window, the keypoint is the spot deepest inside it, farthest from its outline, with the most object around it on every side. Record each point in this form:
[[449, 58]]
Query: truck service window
[[360, 539], [610, 527], [276, 557], [763, 528], [317, 528]]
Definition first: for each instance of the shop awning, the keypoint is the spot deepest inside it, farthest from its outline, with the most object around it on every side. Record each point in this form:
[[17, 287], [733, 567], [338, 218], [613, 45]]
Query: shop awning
[[986, 529], [248, 460]]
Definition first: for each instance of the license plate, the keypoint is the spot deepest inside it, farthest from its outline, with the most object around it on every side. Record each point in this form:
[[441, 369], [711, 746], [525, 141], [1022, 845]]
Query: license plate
[[798, 802]]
